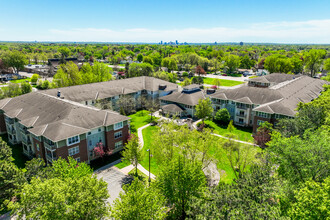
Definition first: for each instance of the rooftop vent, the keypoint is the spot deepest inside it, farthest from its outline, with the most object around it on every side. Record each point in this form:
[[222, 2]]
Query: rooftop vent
[[210, 91], [58, 93]]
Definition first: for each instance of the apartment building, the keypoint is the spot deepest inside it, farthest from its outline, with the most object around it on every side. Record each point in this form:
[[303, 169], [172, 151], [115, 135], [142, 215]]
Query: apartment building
[[61, 123], [267, 98]]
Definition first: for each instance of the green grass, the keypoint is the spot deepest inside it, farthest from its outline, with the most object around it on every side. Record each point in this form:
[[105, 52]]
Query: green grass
[[139, 119], [20, 80], [223, 82], [243, 134], [17, 152], [148, 133], [252, 77], [122, 164]]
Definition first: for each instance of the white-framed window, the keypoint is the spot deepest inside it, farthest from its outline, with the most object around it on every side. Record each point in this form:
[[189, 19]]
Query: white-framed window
[[37, 146], [263, 114], [77, 159], [118, 144], [118, 125], [118, 134], [73, 140], [73, 151], [259, 122]]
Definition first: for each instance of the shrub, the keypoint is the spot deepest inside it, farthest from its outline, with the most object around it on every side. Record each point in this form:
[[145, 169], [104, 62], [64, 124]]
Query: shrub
[[222, 116]]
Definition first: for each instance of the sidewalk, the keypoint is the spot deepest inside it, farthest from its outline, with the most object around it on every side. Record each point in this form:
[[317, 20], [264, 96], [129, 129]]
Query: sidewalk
[[243, 142]]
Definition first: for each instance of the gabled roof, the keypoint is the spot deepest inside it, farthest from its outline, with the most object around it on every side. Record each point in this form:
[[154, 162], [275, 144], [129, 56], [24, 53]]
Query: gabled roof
[[185, 98], [112, 88], [56, 118], [245, 100], [172, 108]]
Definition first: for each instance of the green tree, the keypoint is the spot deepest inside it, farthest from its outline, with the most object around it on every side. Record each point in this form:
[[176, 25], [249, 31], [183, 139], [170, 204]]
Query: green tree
[[139, 57], [170, 64], [149, 60], [204, 109], [71, 192], [246, 62], [216, 82], [327, 64], [12, 90], [312, 201], [222, 116], [197, 80], [180, 180], [132, 152], [14, 59], [26, 87], [313, 60], [139, 202], [232, 62], [68, 75], [186, 82], [34, 79], [302, 158], [140, 69], [297, 64]]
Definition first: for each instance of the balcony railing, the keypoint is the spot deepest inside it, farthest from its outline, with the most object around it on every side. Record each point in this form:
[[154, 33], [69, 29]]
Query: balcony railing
[[9, 121], [11, 130], [241, 106], [240, 115], [50, 146], [24, 131], [26, 140], [50, 158]]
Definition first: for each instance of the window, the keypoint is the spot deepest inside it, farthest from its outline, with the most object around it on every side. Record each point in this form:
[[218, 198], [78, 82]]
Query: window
[[89, 133], [99, 129], [262, 114], [73, 140], [73, 151], [77, 159], [86, 102], [118, 144], [259, 122], [118, 126], [37, 146], [118, 134]]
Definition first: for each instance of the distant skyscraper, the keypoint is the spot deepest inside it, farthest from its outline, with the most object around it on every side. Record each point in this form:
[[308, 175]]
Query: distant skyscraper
[[241, 43], [176, 42], [215, 43], [161, 42]]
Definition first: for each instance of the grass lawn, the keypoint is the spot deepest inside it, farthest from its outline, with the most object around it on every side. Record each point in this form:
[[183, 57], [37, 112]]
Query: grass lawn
[[20, 80], [139, 119], [243, 134], [148, 133], [223, 82], [17, 152]]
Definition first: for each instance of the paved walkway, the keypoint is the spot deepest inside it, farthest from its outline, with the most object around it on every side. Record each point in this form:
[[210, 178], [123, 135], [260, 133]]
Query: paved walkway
[[140, 136], [243, 142], [241, 79]]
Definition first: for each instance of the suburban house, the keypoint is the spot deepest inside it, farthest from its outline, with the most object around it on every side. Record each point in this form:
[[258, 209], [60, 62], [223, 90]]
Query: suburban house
[[182, 103], [267, 98], [52, 124]]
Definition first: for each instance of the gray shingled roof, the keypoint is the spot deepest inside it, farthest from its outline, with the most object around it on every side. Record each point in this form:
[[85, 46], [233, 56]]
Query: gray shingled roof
[[55, 118], [109, 89], [281, 100], [172, 108], [274, 78], [185, 98]]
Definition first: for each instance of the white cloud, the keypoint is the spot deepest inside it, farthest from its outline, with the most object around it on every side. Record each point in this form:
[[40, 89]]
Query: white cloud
[[313, 31]]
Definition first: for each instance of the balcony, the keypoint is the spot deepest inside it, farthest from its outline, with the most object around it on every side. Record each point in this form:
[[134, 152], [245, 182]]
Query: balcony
[[240, 115], [24, 130], [26, 140], [51, 147], [241, 106], [9, 121], [11, 130], [51, 157]]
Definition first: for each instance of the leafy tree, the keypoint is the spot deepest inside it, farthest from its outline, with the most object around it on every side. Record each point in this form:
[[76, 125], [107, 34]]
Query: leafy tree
[[240, 156], [127, 104], [152, 106], [186, 82], [216, 82], [140, 69], [204, 109], [232, 62], [149, 60], [313, 60], [99, 150], [246, 62], [278, 63], [302, 159], [327, 64], [68, 75], [14, 59], [309, 117], [170, 64], [263, 134], [34, 78], [222, 116], [253, 196], [132, 151], [200, 71], [180, 180], [197, 80], [12, 90], [139, 57], [231, 128], [139, 202], [26, 87], [297, 64], [312, 201]]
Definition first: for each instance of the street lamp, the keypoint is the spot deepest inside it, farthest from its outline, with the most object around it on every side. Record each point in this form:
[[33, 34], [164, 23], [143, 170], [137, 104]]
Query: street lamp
[[149, 166]]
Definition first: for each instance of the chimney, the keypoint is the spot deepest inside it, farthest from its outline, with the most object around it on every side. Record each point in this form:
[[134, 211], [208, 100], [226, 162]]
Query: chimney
[[58, 93]]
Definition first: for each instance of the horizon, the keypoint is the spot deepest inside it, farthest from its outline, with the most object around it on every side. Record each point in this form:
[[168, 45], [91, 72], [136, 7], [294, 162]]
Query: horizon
[[283, 22]]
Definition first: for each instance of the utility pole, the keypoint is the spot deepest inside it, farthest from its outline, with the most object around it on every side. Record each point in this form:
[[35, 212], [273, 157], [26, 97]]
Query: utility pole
[[149, 180]]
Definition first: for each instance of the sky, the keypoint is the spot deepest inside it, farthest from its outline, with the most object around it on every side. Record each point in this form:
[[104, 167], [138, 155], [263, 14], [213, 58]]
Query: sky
[[152, 21]]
